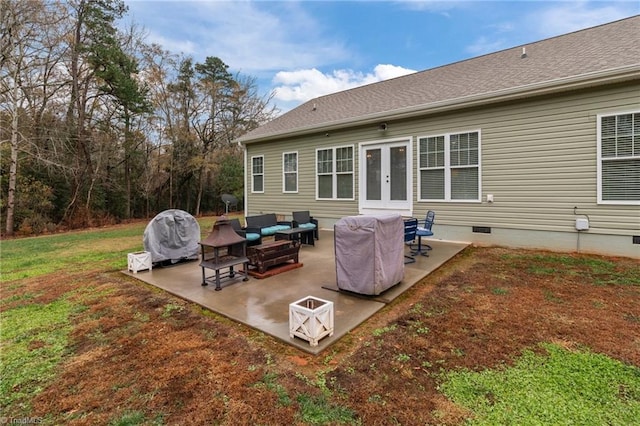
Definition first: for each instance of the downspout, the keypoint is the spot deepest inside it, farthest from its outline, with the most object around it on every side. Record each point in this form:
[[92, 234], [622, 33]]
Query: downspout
[[246, 189]]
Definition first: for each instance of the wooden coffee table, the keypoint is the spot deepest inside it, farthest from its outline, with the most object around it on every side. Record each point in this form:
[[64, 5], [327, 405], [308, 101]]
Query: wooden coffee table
[[272, 253]]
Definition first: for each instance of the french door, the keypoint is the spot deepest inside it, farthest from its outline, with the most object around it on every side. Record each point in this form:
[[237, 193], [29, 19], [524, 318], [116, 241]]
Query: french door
[[385, 178]]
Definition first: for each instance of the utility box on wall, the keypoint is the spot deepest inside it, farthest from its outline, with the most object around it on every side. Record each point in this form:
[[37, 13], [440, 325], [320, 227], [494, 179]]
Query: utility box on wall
[[582, 224]]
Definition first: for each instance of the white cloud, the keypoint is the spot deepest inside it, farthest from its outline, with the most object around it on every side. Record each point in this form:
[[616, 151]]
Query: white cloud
[[250, 37], [548, 20], [572, 16], [305, 84]]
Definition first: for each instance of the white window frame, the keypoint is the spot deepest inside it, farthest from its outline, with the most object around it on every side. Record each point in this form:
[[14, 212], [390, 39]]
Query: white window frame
[[253, 174], [447, 168], [286, 172], [334, 173], [602, 159]]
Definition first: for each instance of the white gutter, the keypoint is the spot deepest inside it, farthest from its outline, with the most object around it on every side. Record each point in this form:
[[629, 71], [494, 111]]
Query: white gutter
[[597, 78]]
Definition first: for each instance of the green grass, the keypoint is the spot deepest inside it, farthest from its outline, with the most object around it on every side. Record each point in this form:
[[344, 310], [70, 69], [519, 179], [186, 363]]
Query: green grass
[[595, 270], [75, 251], [563, 387], [316, 410], [32, 343]]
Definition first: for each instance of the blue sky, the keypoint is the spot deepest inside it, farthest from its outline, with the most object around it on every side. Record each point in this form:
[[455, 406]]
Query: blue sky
[[303, 49]]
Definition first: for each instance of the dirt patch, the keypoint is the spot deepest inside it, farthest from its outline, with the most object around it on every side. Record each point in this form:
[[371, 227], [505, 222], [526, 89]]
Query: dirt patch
[[137, 349]]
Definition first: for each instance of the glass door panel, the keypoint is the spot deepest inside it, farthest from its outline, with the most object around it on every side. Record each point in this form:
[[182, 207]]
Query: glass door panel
[[398, 173], [374, 174]]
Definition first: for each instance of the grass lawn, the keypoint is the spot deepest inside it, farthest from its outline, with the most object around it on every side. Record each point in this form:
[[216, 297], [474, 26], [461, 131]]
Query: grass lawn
[[494, 337]]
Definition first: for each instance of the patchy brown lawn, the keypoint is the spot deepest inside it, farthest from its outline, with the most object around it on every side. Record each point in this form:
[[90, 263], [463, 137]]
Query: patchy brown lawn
[[138, 350]]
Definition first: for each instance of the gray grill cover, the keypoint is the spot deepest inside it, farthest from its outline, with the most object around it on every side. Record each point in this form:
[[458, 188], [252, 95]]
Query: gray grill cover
[[173, 235], [369, 253]]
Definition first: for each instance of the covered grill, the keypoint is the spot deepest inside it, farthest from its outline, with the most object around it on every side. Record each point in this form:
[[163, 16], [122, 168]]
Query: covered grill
[[223, 248], [369, 253], [172, 236]]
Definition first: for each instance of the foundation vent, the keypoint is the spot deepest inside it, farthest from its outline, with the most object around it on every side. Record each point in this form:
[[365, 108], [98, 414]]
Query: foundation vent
[[481, 229]]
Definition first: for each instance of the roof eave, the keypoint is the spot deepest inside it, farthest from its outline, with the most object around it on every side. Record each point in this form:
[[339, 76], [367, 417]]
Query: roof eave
[[598, 78]]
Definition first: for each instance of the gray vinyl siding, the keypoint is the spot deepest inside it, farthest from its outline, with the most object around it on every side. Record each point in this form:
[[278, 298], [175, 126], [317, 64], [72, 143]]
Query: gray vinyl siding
[[538, 159], [273, 200]]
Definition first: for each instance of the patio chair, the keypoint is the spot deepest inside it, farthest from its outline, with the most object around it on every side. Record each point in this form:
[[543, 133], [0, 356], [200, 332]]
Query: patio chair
[[425, 231], [230, 202], [303, 219], [410, 228], [253, 239]]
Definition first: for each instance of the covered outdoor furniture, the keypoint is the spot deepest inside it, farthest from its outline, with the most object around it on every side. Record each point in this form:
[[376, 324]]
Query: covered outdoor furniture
[[253, 238], [303, 219], [266, 224], [425, 231], [172, 236], [230, 202], [410, 228], [369, 253]]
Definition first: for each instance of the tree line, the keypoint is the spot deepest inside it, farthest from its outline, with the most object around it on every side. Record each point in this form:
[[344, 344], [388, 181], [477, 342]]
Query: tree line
[[98, 126]]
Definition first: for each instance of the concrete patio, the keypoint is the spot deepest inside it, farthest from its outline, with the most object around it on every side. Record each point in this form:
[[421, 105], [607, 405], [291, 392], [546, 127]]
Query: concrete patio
[[264, 303]]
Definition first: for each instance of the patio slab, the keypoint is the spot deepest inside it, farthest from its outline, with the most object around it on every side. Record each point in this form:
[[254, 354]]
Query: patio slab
[[264, 303]]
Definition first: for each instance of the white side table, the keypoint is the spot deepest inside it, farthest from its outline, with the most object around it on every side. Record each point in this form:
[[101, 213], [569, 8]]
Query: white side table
[[311, 319], [139, 261]]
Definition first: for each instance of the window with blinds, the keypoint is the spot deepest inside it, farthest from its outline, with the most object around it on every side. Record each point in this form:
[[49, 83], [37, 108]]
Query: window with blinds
[[449, 167], [334, 173], [257, 174], [290, 171], [619, 158]]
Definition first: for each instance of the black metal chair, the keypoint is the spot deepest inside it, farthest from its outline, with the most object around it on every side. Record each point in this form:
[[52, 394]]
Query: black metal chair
[[303, 219], [230, 202], [410, 228], [252, 238]]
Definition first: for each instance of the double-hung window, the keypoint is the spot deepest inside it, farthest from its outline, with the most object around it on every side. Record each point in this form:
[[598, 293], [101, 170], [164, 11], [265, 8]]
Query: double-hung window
[[290, 172], [449, 167], [257, 174], [619, 158], [334, 173]]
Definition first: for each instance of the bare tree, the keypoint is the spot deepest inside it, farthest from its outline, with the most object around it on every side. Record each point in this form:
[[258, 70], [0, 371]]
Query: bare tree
[[29, 59]]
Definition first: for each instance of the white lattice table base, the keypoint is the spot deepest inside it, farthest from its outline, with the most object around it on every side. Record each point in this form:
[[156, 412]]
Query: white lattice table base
[[311, 319], [139, 261]]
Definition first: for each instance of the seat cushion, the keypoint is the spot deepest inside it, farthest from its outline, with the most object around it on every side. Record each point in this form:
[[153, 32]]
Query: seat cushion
[[269, 230], [307, 225], [252, 236]]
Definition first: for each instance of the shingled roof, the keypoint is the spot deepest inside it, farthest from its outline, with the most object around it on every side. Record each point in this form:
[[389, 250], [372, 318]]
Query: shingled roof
[[598, 55]]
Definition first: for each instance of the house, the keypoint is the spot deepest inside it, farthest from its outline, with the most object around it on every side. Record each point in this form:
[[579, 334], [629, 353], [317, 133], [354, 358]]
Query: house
[[517, 148]]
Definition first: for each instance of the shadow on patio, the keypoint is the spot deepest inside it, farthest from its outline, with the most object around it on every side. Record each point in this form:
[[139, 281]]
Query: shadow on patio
[[264, 303]]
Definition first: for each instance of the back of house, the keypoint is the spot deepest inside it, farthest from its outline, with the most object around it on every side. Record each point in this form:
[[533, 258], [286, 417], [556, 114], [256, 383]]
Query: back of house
[[536, 146]]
